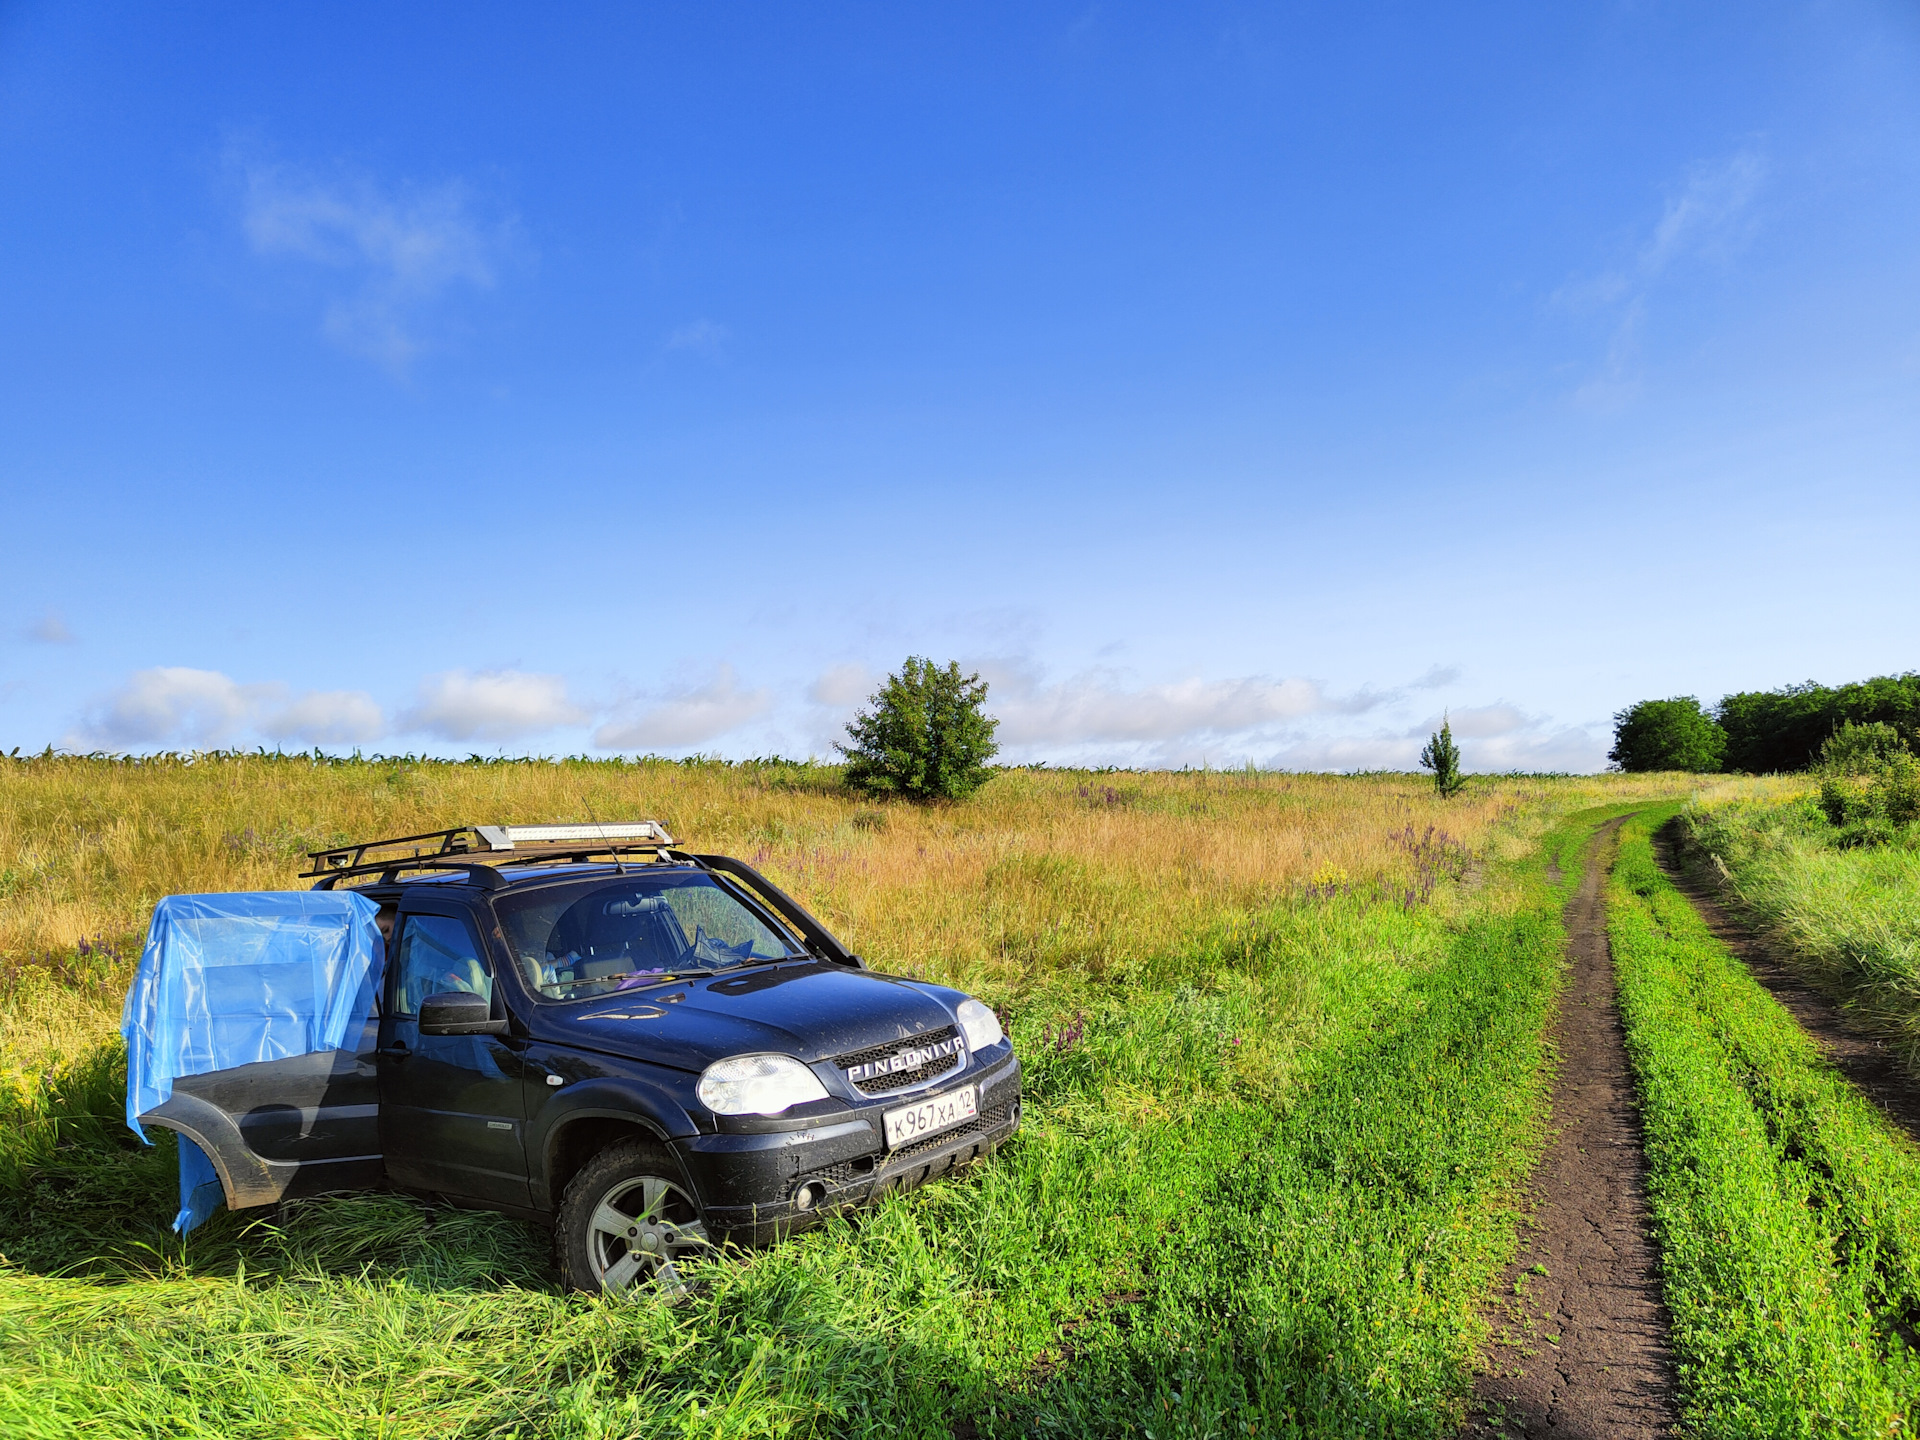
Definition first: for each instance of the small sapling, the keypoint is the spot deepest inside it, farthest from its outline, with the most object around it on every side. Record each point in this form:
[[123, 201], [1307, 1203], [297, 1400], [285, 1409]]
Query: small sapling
[[1442, 757]]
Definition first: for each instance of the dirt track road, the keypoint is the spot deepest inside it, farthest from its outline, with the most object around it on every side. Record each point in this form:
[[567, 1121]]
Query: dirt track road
[[1583, 1350]]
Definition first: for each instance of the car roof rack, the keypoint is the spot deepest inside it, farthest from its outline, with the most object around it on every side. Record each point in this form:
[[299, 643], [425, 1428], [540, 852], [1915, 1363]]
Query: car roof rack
[[487, 845]]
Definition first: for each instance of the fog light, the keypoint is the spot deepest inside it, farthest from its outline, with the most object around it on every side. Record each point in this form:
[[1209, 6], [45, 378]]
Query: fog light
[[805, 1198]]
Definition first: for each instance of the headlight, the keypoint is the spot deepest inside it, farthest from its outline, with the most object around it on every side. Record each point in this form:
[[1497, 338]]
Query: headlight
[[757, 1085], [980, 1025]]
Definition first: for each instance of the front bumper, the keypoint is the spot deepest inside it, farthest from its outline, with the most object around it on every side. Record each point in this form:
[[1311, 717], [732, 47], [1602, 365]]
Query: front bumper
[[755, 1189]]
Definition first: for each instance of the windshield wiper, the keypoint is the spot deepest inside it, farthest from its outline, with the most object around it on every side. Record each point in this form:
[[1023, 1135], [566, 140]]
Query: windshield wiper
[[644, 978], [756, 960]]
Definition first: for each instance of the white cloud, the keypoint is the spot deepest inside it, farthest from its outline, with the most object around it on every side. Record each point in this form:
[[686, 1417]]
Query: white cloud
[[397, 251], [326, 717], [1710, 216], [704, 338], [691, 717], [835, 695], [463, 705], [1345, 752], [1616, 383], [51, 629], [1095, 706], [172, 705], [1290, 723], [1477, 722], [1438, 677], [843, 687], [1492, 738], [1567, 747]]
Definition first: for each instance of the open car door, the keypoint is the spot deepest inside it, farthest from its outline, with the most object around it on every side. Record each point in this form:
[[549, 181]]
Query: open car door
[[251, 1029], [279, 1129]]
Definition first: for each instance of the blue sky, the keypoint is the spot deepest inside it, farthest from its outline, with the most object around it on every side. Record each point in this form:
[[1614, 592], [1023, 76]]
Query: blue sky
[[1223, 382]]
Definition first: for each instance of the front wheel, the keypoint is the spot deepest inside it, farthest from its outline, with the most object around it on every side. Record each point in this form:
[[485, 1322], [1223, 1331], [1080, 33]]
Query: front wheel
[[627, 1222]]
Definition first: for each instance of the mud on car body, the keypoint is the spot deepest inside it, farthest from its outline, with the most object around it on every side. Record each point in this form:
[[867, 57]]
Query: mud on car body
[[649, 1050]]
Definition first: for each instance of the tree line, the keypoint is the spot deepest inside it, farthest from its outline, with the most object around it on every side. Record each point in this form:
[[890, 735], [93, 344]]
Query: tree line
[[1761, 732]]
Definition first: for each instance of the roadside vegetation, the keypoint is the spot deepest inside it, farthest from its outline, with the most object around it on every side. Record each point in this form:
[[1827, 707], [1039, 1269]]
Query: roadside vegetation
[[1787, 1208], [1285, 1074], [1830, 872]]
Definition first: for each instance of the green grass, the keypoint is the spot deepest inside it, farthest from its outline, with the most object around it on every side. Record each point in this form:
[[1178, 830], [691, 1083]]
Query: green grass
[[1265, 1192], [1848, 918], [1787, 1209]]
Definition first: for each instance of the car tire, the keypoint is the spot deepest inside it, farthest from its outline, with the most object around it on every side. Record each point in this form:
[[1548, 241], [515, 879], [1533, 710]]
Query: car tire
[[628, 1222]]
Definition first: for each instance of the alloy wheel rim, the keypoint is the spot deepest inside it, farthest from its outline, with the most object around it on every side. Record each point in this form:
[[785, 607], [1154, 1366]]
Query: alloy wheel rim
[[639, 1233]]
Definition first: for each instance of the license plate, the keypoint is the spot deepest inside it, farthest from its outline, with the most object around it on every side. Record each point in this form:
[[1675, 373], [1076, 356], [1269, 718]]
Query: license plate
[[930, 1117]]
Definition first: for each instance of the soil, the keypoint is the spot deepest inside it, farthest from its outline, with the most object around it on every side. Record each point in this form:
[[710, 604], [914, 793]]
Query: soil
[[1581, 1350], [1870, 1065]]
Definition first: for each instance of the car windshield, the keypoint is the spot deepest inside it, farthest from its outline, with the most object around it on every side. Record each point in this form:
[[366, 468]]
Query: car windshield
[[614, 934]]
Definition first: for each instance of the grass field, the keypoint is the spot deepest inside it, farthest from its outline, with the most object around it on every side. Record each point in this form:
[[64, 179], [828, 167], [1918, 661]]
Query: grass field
[[1787, 1209], [1285, 1069], [1848, 918]]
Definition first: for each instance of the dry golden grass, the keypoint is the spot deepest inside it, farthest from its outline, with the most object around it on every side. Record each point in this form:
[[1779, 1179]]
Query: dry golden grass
[[1717, 790], [1042, 872]]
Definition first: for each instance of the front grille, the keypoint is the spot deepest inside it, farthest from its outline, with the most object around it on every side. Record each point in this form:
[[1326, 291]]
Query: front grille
[[903, 1079]]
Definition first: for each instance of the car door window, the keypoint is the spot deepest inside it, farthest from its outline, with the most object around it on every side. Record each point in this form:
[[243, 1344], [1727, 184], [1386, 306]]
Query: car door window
[[438, 954]]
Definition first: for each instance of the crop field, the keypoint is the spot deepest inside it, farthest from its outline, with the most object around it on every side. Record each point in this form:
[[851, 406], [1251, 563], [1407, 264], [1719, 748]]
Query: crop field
[[1285, 1040]]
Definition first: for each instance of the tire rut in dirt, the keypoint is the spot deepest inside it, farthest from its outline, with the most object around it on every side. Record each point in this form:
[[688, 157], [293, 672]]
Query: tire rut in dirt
[[1582, 1349], [1864, 1061]]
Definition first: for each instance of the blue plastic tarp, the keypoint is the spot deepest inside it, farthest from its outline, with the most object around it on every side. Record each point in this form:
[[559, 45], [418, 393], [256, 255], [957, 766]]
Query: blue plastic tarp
[[200, 1192], [227, 980]]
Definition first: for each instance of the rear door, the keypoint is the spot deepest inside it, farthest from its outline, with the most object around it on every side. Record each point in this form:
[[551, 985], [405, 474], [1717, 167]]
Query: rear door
[[452, 1110], [277, 1129]]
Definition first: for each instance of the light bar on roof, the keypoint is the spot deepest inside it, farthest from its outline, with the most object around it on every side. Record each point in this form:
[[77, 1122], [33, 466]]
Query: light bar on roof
[[505, 837]]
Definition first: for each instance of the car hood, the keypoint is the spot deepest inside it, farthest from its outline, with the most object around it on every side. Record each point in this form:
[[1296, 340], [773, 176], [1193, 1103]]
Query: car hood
[[809, 1009]]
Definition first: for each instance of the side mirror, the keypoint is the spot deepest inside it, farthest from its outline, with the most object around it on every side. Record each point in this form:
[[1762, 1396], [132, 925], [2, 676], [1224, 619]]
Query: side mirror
[[459, 1012]]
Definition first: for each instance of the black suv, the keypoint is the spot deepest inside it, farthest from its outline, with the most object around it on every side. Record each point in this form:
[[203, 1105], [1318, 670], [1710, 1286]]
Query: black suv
[[647, 1049]]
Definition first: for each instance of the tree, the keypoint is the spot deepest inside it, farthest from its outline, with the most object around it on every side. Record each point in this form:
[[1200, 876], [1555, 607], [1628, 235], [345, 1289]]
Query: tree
[[1774, 731], [1671, 734], [924, 737], [1442, 757]]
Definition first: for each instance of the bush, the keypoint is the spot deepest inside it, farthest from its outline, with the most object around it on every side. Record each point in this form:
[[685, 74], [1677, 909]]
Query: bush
[[1671, 734], [1869, 789], [1860, 749], [1865, 834], [1839, 801], [926, 736]]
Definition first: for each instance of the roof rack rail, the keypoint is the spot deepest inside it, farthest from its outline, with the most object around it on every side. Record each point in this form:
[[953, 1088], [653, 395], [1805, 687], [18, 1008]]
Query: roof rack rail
[[446, 849]]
